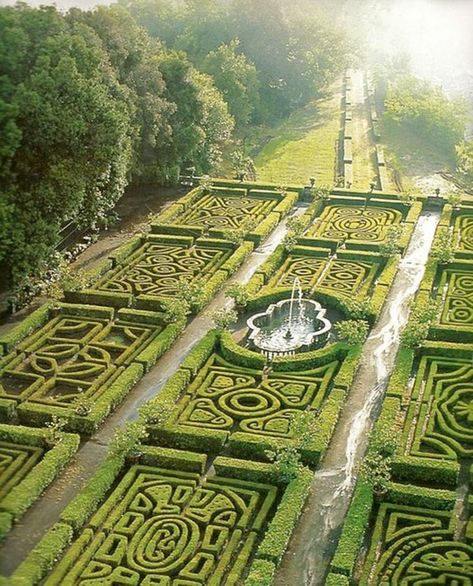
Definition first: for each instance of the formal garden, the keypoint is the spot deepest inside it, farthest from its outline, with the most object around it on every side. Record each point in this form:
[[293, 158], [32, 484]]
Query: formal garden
[[207, 485], [263, 375]]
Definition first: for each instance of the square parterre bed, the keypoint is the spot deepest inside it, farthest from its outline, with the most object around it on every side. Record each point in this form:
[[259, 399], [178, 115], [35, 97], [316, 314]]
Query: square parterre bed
[[428, 409], [363, 224], [151, 269], [28, 463], [222, 397], [219, 210], [453, 290], [413, 536], [78, 362], [170, 520], [340, 278]]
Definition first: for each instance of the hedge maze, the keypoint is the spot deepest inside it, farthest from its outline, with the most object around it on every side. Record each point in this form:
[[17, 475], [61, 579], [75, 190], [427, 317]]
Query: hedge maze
[[205, 500], [231, 398], [420, 531], [220, 212], [79, 363], [352, 223], [160, 525], [157, 269], [418, 545]]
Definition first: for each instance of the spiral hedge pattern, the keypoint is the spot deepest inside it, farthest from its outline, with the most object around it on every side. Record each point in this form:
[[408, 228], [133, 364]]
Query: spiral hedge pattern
[[356, 223], [16, 461], [71, 356], [457, 307], [440, 418], [162, 527], [463, 228], [226, 397], [219, 212], [416, 546], [158, 269]]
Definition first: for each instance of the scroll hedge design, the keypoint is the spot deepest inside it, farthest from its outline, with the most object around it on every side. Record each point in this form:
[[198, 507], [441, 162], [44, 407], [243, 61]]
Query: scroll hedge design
[[457, 307], [72, 356], [339, 276], [346, 222], [160, 526], [227, 212], [414, 545], [439, 423], [157, 269], [463, 228], [226, 397]]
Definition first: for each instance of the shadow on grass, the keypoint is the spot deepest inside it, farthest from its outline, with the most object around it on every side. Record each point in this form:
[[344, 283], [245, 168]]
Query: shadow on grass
[[412, 154]]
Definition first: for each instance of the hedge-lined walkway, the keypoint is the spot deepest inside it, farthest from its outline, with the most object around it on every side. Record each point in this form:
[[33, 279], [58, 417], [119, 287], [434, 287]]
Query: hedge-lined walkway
[[307, 558], [364, 153], [45, 512]]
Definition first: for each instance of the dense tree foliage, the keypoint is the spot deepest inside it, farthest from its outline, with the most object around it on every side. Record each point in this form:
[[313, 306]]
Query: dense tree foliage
[[425, 109], [136, 92]]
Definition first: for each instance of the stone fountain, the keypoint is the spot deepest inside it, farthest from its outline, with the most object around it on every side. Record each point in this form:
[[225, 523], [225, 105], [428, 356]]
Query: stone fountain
[[289, 326]]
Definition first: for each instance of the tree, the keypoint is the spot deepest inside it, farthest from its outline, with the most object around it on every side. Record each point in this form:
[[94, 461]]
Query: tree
[[422, 107], [236, 78], [68, 130]]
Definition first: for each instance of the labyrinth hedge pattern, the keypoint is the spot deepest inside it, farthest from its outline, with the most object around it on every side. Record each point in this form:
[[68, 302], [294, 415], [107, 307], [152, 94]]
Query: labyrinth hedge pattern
[[16, 462], [339, 276], [72, 356], [346, 222], [157, 269], [416, 546], [457, 307], [463, 228], [439, 422], [229, 398], [226, 212], [166, 527]]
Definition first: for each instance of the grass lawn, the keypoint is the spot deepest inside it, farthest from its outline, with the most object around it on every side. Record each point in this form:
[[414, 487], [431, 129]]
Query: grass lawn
[[303, 146]]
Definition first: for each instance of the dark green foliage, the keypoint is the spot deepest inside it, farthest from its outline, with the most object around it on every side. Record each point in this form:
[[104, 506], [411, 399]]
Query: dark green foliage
[[353, 531], [426, 110]]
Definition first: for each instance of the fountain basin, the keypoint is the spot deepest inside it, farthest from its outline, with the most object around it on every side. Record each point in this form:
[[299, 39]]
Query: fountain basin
[[279, 331]]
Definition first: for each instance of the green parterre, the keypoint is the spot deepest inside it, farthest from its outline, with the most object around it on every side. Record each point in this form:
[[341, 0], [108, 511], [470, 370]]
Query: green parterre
[[202, 504], [364, 223], [224, 398], [421, 530], [169, 520], [28, 464], [79, 363]]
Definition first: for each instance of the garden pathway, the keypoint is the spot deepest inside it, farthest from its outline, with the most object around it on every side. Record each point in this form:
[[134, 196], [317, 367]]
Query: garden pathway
[[363, 145], [312, 545], [45, 512]]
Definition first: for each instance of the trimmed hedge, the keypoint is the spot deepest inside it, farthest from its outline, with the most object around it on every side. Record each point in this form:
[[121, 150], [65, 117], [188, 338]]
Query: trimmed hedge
[[261, 573], [354, 527], [236, 354], [81, 508], [24, 494], [24, 329], [418, 496], [280, 529], [43, 557]]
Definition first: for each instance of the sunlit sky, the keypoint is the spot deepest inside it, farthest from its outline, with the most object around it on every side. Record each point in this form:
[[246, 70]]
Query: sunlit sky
[[437, 34]]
